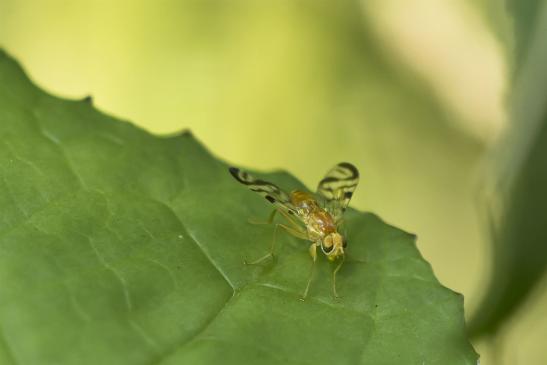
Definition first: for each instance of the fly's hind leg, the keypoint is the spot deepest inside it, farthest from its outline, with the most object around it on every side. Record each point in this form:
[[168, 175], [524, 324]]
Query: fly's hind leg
[[268, 221], [295, 224], [295, 231]]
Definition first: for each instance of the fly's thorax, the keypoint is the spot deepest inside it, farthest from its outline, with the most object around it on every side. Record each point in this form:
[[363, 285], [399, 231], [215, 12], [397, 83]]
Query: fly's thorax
[[321, 221], [333, 245], [318, 221]]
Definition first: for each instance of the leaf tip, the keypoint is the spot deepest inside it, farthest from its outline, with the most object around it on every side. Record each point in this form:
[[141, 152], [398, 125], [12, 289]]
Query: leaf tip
[[186, 133]]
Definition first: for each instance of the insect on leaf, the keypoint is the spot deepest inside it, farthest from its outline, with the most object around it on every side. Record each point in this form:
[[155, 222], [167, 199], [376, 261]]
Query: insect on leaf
[[120, 247]]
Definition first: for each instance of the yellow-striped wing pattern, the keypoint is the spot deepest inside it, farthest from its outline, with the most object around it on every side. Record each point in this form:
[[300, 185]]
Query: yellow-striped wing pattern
[[268, 190], [337, 188]]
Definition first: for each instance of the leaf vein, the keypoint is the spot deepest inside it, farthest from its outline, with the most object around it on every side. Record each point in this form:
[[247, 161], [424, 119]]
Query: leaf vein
[[195, 337], [102, 260], [199, 246]]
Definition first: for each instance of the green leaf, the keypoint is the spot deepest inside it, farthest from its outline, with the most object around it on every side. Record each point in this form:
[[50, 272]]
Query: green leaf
[[520, 239], [119, 247], [526, 15]]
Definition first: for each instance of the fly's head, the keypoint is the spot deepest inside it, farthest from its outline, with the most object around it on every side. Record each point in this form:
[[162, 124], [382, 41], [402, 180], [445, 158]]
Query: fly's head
[[333, 245]]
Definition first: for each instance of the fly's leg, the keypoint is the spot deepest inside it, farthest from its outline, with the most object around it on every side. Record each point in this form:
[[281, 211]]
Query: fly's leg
[[334, 277], [268, 221], [296, 224], [313, 254], [300, 233], [296, 230]]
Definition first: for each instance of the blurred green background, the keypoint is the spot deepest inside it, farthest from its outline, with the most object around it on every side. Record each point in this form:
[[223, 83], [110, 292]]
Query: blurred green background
[[413, 93]]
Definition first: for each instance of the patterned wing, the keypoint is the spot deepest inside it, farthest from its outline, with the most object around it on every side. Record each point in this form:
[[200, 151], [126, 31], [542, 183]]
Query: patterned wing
[[337, 188], [270, 191]]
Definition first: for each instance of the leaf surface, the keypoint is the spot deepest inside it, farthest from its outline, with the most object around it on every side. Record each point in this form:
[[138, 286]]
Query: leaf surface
[[119, 247]]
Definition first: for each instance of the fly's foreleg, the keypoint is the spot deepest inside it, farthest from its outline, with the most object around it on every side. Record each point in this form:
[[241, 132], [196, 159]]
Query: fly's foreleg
[[334, 293], [313, 254]]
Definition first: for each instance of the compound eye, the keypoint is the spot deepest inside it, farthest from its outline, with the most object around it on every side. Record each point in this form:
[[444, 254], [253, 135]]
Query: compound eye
[[326, 249]]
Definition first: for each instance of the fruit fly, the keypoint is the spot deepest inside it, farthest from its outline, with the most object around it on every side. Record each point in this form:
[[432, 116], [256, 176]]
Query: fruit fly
[[312, 217]]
